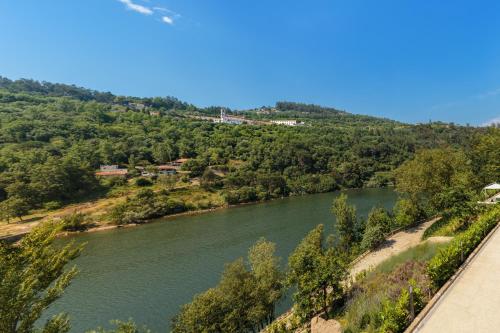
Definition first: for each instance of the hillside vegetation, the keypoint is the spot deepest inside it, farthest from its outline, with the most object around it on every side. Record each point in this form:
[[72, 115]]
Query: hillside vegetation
[[54, 136]]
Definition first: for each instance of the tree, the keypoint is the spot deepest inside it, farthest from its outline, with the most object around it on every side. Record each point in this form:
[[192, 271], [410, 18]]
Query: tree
[[485, 156], [429, 174], [346, 221], [163, 152], [209, 179], [379, 223], [237, 287], [407, 212], [32, 277], [244, 299], [14, 207], [318, 273], [204, 314], [269, 280]]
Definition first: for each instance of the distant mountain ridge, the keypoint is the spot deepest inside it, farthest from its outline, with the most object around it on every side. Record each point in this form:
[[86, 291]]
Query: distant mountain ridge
[[282, 109]]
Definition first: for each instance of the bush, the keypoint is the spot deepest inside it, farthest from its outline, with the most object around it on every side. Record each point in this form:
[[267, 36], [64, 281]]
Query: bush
[[442, 266], [145, 205], [373, 237], [378, 225], [52, 205], [209, 180], [75, 222], [142, 182], [114, 181], [244, 194], [395, 316], [447, 226], [407, 212]]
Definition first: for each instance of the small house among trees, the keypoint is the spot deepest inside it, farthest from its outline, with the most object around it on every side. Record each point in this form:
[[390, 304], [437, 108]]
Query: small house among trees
[[111, 171]]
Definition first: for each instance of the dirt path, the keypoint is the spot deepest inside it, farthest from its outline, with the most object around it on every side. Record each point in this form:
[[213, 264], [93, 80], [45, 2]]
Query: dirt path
[[94, 208], [395, 244]]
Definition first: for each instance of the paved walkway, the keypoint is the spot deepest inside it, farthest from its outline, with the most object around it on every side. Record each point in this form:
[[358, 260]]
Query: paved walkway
[[472, 303]]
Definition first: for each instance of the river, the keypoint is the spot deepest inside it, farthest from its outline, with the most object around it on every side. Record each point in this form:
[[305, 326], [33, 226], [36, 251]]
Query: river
[[147, 273]]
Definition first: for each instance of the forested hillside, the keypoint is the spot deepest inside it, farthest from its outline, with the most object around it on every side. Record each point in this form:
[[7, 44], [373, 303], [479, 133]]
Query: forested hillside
[[53, 137]]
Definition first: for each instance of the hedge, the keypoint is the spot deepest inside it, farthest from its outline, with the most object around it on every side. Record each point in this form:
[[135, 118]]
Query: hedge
[[444, 264]]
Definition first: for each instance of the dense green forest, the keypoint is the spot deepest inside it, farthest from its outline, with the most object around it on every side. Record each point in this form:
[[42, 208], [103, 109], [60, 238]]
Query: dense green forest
[[54, 136]]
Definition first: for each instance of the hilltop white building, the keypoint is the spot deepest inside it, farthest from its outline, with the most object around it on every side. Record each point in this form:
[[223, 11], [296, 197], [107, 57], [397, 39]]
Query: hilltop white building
[[225, 119], [287, 122]]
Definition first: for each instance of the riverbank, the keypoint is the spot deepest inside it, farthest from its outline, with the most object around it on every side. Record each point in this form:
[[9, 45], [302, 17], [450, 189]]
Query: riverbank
[[14, 231]]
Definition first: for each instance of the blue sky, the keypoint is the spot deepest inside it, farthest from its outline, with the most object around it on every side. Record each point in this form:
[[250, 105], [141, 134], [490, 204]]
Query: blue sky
[[407, 60]]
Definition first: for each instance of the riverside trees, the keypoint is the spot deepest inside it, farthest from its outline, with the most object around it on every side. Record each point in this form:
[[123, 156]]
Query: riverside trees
[[347, 223], [243, 301], [434, 178], [317, 272], [32, 276]]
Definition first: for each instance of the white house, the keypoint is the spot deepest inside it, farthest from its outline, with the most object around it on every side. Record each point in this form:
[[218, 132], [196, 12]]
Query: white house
[[287, 122]]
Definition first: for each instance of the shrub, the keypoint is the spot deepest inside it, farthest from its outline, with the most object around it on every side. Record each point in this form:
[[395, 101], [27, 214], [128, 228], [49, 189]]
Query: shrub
[[443, 265], [209, 180], [75, 222], [379, 223], [373, 237], [244, 194], [407, 212], [447, 226], [52, 205], [395, 316], [114, 181], [142, 182], [145, 205]]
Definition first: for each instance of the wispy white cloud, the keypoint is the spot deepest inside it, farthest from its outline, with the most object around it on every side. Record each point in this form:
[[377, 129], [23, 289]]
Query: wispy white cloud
[[167, 20], [161, 9], [137, 8], [162, 14]]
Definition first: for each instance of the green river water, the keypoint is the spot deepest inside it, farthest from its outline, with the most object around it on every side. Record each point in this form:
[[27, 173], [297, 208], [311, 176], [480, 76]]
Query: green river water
[[148, 272]]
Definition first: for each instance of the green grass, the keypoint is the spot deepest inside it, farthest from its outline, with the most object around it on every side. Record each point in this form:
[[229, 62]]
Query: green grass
[[447, 226], [422, 252]]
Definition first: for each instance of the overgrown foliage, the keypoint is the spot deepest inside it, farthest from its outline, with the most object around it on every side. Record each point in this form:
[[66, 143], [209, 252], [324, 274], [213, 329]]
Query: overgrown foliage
[[33, 276], [145, 205], [379, 301]]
